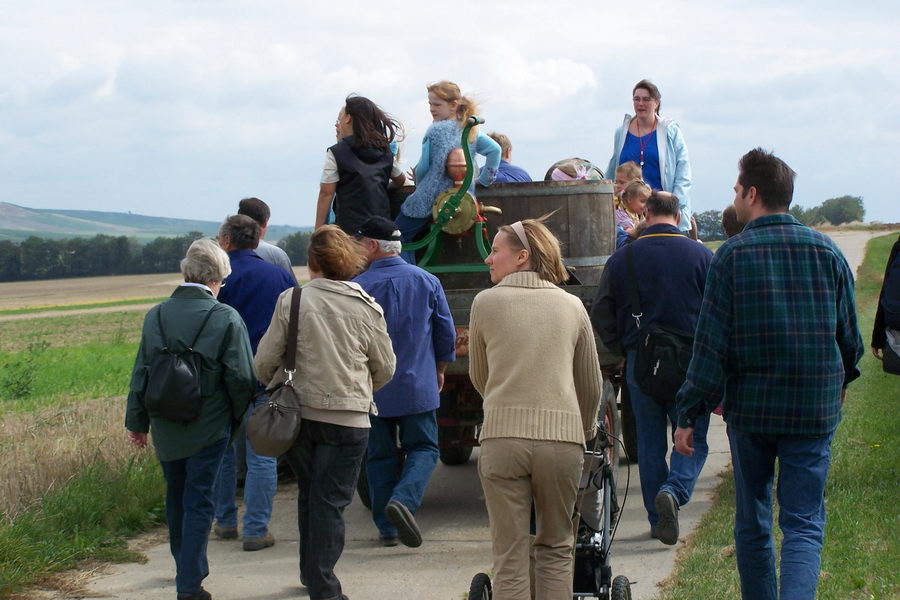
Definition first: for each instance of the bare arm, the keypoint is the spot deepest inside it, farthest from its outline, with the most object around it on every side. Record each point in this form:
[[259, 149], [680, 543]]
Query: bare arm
[[323, 205]]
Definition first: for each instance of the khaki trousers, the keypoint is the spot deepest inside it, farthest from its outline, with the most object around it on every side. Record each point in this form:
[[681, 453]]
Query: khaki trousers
[[514, 471]]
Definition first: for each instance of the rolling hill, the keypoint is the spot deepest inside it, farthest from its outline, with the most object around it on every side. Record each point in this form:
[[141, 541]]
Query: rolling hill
[[18, 223]]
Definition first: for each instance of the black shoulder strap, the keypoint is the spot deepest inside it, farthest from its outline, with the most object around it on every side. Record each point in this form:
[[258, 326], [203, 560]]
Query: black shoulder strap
[[290, 357], [202, 326], [634, 298]]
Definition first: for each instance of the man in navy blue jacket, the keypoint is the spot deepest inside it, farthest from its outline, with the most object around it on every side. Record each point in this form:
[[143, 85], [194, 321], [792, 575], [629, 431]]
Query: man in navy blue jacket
[[252, 289], [669, 270], [424, 338]]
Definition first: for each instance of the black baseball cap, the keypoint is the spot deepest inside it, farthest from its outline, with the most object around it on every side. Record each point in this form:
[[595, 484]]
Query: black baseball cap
[[379, 228]]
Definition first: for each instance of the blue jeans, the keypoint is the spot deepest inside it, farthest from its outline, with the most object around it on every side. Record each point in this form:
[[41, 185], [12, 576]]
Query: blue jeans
[[418, 436], [651, 420], [189, 512], [802, 470], [326, 460], [259, 487], [409, 227]]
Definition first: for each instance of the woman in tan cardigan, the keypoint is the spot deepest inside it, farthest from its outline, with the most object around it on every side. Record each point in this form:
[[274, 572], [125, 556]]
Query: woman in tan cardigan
[[533, 360]]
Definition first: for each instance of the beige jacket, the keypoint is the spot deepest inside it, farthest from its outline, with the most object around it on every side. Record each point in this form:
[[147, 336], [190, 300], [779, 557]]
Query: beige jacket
[[532, 358], [344, 352]]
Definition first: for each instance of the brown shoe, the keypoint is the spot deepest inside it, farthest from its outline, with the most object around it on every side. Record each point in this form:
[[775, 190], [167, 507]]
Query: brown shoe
[[251, 545], [225, 533]]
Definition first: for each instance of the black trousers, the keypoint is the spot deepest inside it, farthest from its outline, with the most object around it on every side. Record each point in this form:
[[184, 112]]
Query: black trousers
[[326, 459]]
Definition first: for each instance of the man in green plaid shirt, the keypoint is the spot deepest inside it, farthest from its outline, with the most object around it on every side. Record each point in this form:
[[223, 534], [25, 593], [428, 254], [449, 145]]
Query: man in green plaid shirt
[[777, 343]]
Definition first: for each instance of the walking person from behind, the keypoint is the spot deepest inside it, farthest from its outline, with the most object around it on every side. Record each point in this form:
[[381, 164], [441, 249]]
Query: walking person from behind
[[668, 271], [533, 359], [424, 339], [343, 355], [253, 289], [777, 340], [886, 330], [259, 211], [190, 452]]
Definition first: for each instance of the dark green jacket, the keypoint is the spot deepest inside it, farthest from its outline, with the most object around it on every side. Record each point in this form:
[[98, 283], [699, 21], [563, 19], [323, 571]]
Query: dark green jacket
[[227, 383]]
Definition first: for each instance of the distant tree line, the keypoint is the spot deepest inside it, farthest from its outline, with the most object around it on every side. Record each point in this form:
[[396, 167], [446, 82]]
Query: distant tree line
[[835, 211], [41, 258]]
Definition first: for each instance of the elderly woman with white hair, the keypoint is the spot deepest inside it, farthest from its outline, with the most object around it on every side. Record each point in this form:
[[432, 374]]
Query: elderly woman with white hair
[[191, 430]]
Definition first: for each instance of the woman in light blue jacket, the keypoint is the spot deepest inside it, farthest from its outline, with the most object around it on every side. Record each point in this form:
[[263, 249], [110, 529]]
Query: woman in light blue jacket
[[656, 144]]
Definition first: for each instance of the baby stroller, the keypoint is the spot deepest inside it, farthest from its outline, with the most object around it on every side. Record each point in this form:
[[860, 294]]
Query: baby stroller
[[597, 511]]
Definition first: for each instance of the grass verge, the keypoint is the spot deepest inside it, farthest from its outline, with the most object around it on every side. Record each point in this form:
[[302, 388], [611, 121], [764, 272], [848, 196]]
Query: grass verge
[[863, 531], [54, 307], [87, 518]]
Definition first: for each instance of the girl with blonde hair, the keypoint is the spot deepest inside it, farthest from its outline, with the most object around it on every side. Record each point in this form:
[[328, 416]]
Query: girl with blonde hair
[[533, 360], [450, 111]]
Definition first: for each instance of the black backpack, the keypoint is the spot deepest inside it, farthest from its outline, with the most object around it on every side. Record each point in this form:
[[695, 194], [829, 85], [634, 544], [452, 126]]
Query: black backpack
[[173, 383]]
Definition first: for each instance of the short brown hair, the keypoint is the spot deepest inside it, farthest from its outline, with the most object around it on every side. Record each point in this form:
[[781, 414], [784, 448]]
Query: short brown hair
[[256, 209], [646, 84], [335, 254], [546, 256], [502, 140], [242, 232], [730, 222], [631, 170], [772, 178]]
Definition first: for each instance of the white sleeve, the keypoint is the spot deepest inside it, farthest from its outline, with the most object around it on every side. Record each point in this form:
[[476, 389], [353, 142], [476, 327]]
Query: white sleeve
[[330, 170]]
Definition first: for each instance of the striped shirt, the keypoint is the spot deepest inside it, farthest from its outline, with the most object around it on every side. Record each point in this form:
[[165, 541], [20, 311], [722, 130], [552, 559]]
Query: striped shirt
[[777, 338]]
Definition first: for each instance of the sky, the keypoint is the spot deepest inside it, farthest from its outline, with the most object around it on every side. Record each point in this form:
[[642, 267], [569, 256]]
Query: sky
[[181, 108]]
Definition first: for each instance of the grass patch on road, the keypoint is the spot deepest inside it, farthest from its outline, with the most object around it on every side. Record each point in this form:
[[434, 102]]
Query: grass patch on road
[[87, 518], [863, 532], [45, 308]]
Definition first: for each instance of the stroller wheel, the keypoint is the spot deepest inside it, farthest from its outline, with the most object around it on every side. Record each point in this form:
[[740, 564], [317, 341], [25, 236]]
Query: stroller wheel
[[481, 587], [621, 588]]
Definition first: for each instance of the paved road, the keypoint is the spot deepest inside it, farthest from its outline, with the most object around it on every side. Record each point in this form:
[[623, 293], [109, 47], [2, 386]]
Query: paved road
[[457, 542]]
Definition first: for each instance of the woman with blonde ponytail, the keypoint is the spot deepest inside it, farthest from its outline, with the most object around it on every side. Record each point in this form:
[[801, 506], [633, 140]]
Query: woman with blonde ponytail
[[450, 111]]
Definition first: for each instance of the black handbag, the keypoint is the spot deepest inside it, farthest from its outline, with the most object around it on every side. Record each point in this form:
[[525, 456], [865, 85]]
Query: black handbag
[[173, 382], [663, 353], [274, 425]]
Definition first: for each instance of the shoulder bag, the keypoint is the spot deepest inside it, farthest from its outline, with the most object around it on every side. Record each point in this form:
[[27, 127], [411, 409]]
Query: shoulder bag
[[274, 425], [663, 353]]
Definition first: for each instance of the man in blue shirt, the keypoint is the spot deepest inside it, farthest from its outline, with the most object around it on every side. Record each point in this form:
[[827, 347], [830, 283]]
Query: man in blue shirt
[[252, 289], [507, 172], [424, 338], [669, 271]]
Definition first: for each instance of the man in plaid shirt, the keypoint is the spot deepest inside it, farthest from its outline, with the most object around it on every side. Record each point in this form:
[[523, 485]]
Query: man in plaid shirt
[[777, 342]]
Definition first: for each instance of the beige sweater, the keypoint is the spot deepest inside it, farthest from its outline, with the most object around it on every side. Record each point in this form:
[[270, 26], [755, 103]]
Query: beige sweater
[[532, 358]]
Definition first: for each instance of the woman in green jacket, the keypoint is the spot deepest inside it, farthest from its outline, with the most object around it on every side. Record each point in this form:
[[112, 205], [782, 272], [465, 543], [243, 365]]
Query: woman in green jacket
[[191, 449]]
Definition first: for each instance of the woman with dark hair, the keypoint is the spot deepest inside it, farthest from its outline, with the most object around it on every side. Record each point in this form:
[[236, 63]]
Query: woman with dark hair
[[359, 167], [343, 355], [656, 144], [532, 358]]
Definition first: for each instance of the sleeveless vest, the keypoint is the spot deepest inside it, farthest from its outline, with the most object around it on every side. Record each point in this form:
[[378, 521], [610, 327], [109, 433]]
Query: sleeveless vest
[[362, 188]]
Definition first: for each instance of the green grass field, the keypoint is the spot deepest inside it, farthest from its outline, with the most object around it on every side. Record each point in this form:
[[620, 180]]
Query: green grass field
[[66, 307], [861, 546]]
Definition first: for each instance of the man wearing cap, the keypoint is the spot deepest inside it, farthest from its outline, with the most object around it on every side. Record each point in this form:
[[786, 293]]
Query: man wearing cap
[[424, 338]]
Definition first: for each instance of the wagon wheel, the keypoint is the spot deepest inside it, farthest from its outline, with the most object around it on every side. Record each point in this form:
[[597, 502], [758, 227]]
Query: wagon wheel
[[621, 588], [456, 455], [481, 588]]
